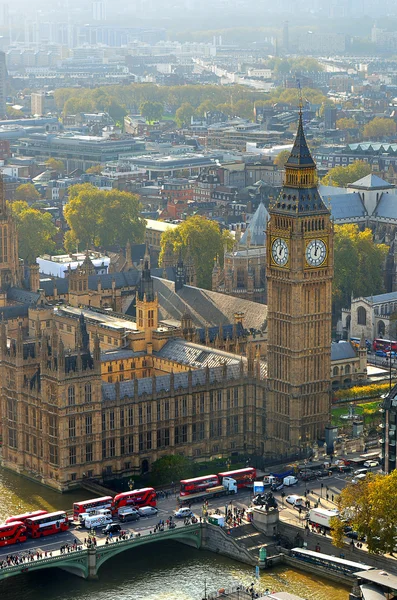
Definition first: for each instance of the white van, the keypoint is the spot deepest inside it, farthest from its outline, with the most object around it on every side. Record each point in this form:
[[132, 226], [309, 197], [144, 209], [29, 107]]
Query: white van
[[290, 480], [147, 511], [97, 521], [101, 511]]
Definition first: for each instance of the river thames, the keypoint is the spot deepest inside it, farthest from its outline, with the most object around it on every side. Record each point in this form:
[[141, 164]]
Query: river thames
[[166, 571]]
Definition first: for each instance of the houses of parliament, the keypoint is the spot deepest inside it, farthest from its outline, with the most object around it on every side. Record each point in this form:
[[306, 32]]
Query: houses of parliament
[[86, 391]]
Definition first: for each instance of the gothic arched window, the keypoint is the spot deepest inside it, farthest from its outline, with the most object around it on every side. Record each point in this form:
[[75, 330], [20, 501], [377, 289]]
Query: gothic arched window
[[361, 316]]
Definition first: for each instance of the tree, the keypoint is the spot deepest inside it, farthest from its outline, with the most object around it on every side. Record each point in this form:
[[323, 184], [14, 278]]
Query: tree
[[244, 109], [152, 111], [337, 532], [27, 192], [358, 263], [94, 170], [35, 231], [100, 218], [184, 114], [171, 468], [53, 164], [345, 123], [203, 239], [205, 107], [379, 128], [282, 158], [342, 176], [371, 506]]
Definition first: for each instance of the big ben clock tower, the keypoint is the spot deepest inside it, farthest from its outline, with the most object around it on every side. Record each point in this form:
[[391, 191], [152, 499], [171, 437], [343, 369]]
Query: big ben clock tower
[[299, 273]]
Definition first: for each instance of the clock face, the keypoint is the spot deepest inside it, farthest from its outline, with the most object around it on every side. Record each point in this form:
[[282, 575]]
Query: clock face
[[316, 253], [280, 252]]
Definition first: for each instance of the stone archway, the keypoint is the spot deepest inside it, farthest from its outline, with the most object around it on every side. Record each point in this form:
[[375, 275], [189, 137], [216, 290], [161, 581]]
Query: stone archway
[[145, 466]]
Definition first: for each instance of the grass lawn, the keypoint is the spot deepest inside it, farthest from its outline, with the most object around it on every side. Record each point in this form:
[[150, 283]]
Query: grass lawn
[[337, 412]]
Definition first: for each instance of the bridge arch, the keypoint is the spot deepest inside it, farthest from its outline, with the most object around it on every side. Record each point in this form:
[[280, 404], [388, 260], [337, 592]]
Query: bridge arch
[[191, 538]]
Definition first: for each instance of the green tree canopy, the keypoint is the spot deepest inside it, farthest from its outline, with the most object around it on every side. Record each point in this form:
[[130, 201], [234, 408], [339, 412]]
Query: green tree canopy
[[184, 114], [100, 218], [152, 111], [358, 265], [282, 158], [35, 231], [171, 469], [341, 176], [55, 165], [371, 507], [379, 128], [27, 192], [203, 239]]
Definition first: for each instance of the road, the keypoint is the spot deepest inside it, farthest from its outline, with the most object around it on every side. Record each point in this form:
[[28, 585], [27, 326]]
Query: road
[[335, 484]]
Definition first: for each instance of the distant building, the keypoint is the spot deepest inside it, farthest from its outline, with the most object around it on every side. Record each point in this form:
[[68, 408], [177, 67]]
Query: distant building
[[330, 117], [322, 43], [37, 103], [99, 10], [243, 274], [3, 83], [60, 265]]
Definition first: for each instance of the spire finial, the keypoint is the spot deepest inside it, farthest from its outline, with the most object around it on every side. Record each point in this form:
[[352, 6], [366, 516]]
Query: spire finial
[[298, 83]]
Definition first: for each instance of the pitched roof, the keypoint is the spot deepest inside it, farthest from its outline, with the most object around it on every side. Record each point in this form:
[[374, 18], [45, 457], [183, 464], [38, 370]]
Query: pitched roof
[[387, 206], [300, 154], [22, 296], [342, 351], [206, 307], [256, 229], [347, 206], [371, 181]]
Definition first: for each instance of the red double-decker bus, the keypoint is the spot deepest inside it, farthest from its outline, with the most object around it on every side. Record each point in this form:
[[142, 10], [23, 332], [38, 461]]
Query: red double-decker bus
[[244, 477], [48, 524], [197, 484], [22, 518], [142, 497], [87, 506], [12, 533]]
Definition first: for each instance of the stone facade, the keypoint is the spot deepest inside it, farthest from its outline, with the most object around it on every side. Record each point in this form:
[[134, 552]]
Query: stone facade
[[299, 271]]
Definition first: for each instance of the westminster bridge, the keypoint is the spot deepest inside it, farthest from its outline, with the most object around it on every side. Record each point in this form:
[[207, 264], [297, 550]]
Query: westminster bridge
[[85, 562]]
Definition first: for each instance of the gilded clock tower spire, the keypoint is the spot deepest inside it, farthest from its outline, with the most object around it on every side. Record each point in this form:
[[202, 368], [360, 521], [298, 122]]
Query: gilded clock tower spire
[[299, 272]]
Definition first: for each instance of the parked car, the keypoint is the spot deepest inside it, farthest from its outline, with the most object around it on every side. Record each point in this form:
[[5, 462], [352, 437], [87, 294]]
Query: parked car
[[111, 528]]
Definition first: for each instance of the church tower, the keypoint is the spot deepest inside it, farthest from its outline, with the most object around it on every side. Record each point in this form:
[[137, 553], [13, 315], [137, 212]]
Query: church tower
[[299, 274], [147, 304], [9, 260]]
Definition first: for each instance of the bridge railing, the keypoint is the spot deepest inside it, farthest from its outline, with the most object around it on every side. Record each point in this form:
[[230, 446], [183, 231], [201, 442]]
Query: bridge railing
[[25, 566]]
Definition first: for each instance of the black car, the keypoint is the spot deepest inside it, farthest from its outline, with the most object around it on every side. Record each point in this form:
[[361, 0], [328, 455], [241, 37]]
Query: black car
[[111, 528], [322, 473], [308, 476]]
